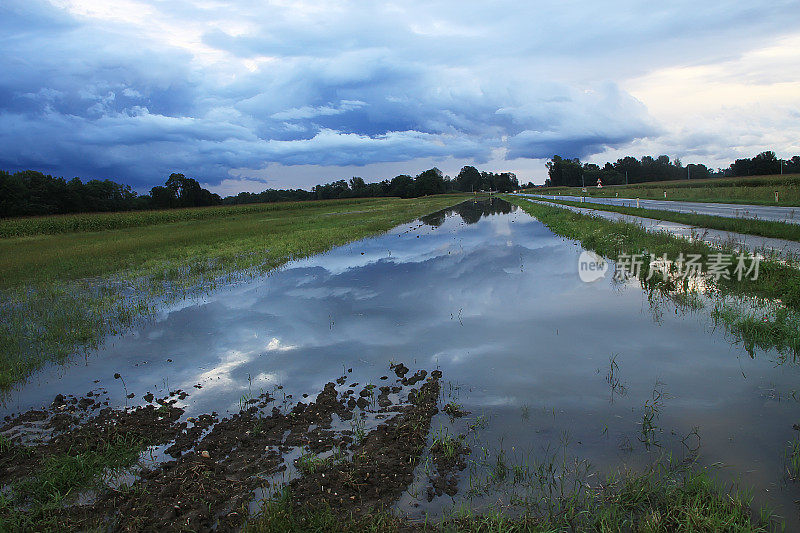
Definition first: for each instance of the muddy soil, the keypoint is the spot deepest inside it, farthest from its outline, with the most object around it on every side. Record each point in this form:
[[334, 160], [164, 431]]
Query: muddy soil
[[382, 464], [212, 469], [449, 459]]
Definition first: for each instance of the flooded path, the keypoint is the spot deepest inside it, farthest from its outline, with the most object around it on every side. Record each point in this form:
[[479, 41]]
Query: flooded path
[[492, 298]]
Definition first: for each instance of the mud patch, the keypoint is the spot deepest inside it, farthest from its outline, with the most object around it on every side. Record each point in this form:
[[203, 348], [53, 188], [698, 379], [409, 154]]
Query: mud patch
[[358, 451], [382, 464]]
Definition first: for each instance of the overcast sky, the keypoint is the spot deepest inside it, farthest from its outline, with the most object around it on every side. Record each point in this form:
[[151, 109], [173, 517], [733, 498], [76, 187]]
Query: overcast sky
[[251, 94]]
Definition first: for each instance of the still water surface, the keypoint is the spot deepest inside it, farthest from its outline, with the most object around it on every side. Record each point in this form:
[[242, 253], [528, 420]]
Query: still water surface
[[491, 297]]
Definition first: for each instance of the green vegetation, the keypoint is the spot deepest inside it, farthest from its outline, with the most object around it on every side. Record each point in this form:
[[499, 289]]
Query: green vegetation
[[757, 190], [61, 293], [663, 499], [309, 462], [769, 326], [59, 478], [774, 297], [763, 228], [793, 459], [446, 444]]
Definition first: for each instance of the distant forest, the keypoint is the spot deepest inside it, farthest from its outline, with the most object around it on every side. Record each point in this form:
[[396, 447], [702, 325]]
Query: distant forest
[[571, 173], [29, 193]]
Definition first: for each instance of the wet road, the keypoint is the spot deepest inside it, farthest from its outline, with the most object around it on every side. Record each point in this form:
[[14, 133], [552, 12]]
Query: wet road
[[760, 212]]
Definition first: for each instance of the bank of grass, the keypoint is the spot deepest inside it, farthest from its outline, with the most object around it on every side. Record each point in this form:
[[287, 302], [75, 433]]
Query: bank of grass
[[61, 293], [748, 226], [769, 319], [664, 499], [757, 190]]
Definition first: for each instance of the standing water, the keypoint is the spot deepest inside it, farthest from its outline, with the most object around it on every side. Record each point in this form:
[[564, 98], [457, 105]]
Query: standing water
[[545, 364]]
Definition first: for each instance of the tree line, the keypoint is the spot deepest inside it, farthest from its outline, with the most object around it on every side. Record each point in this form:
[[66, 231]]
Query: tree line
[[428, 182], [29, 192], [573, 173]]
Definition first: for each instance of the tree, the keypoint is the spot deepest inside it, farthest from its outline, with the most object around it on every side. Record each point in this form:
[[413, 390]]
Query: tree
[[163, 197], [564, 172], [430, 181], [357, 186], [402, 186], [468, 179]]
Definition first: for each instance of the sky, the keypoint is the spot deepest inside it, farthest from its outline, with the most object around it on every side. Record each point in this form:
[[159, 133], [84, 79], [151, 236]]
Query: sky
[[253, 94]]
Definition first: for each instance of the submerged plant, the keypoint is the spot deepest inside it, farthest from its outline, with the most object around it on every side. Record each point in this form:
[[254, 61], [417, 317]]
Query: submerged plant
[[793, 459]]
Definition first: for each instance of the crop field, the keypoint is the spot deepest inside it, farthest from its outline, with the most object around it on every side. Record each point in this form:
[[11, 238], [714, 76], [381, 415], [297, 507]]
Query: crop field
[[757, 190]]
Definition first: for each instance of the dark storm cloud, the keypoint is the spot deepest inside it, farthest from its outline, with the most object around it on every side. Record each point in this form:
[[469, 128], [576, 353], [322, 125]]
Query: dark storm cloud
[[142, 89]]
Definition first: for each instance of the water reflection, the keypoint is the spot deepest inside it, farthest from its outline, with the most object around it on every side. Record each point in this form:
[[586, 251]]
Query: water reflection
[[470, 212], [493, 298]]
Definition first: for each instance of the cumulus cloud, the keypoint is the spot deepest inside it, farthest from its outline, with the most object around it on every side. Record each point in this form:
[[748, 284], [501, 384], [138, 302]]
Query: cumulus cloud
[[136, 89]]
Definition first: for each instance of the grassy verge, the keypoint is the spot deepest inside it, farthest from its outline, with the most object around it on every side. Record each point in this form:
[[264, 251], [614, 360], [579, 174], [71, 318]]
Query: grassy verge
[[764, 312], [657, 501], [763, 228], [62, 293], [756, 190]]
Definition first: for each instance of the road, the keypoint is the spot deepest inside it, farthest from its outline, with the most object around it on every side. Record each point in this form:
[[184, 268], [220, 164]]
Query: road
[[752, 243], [761, 212]]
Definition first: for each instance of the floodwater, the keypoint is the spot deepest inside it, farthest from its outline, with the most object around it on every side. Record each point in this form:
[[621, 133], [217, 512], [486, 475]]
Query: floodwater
[[491, 297]]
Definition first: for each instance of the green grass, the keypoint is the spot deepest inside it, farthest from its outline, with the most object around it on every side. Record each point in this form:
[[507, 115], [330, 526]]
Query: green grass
[[757, 190], [309, 462], [663, 499], [61, 476], [777, 286], [763, 228], [34, 503], [63, 293], [768, 327], [445, 443], [793, 459]]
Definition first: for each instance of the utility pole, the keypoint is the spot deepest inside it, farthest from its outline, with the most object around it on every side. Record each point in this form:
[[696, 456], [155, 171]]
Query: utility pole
[[626, 177], [781, 160], [688, 172]]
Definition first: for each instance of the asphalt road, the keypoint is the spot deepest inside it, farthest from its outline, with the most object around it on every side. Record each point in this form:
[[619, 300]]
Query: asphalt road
[[761, 212], [751, 243]]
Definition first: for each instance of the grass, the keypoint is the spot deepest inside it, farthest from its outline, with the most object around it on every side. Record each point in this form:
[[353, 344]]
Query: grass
[[749, 226], [59, 478], [756, 190], [309, 462], [662, 499], [445, 444], [777, 286], [793, 459], [768, 327], [63, 292]]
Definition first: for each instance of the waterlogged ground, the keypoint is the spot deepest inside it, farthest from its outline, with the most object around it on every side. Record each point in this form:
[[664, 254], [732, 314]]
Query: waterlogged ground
[[540, 369]]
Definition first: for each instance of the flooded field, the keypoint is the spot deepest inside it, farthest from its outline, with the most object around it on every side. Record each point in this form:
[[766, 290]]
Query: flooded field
[[535, 369]]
